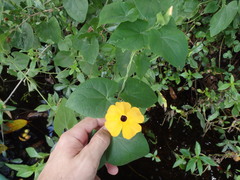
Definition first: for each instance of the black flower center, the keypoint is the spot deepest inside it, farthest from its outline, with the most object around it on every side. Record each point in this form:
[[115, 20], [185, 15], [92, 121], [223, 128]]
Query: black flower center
[[123, 118]]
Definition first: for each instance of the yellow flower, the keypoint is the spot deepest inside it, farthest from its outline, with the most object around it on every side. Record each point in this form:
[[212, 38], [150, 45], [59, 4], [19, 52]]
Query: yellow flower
[[122, 116]]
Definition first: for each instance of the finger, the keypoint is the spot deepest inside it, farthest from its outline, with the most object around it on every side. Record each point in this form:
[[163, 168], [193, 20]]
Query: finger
[[72, 141], [94, 150], [113, 170], [81, 130]]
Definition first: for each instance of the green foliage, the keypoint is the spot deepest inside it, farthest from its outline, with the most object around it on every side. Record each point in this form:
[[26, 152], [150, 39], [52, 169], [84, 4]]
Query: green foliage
[[76, 9], [95, 53], [24, 37], [64, 118], [50, 31], [88, 48], [223, 18], [193, 162], [154, 156], [171, 44], [119, 12], [26, 171], [138, 93], [148, 9], [130, 35], [122, 151]]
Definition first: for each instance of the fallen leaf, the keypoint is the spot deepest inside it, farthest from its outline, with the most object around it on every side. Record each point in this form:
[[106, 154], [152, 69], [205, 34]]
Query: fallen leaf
[[172, 93], [15, 125]]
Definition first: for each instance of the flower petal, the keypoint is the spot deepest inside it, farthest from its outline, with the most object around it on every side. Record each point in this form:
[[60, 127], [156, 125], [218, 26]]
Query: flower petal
[[123, 107], [135, 115], [130, 129], [113, 114], [114, 127]]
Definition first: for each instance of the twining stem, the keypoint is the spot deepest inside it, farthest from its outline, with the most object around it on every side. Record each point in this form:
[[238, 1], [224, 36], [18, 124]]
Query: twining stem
[[127, 73], [13, 91]]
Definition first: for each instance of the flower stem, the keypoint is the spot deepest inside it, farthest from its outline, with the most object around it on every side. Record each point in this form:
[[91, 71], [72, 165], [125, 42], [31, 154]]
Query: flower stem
[[127, 73]]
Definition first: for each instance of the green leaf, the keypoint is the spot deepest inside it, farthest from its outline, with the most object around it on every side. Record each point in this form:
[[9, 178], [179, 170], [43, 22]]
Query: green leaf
[[49, 32], [130, 35], [197, 75], [208, 160], [64, 119], [33, 153], [23, 170], [224, 86], [122, 151], [235, 111], [25, 173], [93, 97], [63, 59], [88, 47], [138, 93], [76, 9], [199, 166], [213, 116], [185, 152], [42, 108], [149, 8], [202, 119], [191, 165], [223, 18], [23, 38], [118, 12], [211, 7], [89, 69], [20, 61], [171, 44], [179, 162], [142, 64], [190, 7], [197, 149], [65, 44]]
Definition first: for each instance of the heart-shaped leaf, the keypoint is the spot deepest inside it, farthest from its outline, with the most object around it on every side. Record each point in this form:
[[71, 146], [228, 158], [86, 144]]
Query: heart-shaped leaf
[[76, 9], [122, 151], [130, 35], [138, 93], [171, 44], [93, 97]]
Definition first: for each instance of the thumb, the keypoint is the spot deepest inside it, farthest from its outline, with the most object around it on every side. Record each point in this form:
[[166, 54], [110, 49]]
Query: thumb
[[97, 145]]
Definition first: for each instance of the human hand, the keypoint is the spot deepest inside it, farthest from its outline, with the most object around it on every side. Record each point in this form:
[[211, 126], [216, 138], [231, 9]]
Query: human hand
[[76, 158]]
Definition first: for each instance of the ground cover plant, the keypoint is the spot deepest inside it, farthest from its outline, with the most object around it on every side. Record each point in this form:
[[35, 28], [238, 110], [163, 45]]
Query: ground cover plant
[[172, 65]]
